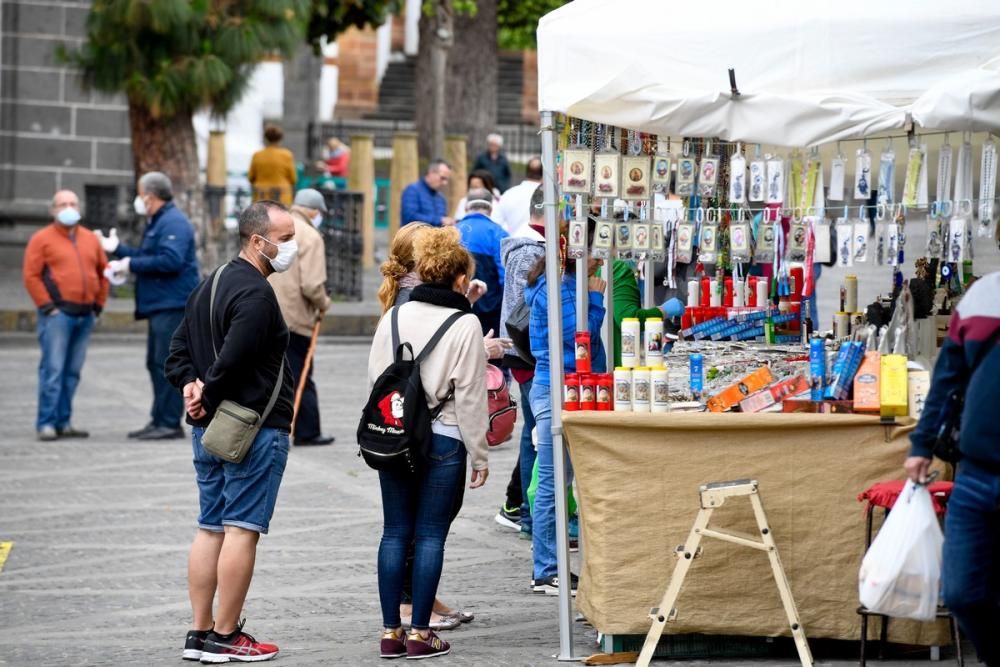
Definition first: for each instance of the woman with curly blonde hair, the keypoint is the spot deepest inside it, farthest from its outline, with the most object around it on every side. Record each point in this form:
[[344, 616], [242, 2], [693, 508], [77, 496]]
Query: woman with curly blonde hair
[[418, 508], [398, 271]]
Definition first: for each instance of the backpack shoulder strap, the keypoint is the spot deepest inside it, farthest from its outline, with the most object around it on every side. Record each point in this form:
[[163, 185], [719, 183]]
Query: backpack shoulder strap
[[211, 305], [438, 335]]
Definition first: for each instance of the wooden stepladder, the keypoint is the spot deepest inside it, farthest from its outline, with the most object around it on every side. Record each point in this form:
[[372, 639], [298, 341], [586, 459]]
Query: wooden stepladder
[[713, 496]]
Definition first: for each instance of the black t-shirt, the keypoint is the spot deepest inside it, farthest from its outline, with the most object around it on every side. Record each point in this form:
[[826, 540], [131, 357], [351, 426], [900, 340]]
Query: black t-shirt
[[251, 338]]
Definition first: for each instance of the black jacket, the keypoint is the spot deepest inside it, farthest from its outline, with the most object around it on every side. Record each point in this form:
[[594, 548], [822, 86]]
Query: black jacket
[[251, 337]]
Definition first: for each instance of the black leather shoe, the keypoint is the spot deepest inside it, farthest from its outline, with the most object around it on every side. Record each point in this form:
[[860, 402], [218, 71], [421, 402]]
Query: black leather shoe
[[161, 433], [142, 431], [70, 432], [319, 440]]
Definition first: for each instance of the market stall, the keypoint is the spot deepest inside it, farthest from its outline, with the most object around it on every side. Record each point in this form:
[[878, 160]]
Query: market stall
[[709, 208]]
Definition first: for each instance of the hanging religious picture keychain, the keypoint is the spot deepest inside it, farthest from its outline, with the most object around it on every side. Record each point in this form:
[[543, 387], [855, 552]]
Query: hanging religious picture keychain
[[739, 239], [606, 170], [863, 174], [861, 241], [661, 167], [887, 175], [685, 242], [657, 251], [956, 240], [687, 172], [577, 246], [623, 237], [641, 236], [838, 169], [756, 183], [708, 240], [708, 174], [775, 180], [987, 188], [577, 167], [604, 238], [737, 177], [636, 172], [934, 246], [845, 242], [763, 252], [798, 233]]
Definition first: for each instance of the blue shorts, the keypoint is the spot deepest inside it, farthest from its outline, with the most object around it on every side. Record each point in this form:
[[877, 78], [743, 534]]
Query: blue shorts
[[240, 494]]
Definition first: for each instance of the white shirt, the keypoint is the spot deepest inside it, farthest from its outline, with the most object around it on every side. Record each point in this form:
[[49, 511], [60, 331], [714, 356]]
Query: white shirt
[[513, 211]]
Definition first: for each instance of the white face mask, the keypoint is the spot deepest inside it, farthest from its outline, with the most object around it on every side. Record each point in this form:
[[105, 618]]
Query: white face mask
[[286, 254], [68, 217], [139, 205], [317, 220]]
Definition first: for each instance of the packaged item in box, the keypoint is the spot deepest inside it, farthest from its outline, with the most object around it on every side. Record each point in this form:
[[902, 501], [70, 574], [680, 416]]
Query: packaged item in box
[[695, 362], [659, 386], [640, 389], [605, 391], [893, 390], [588, 392], [817, 407], [866, 383], [919, 385], [582, 352], [842, 379], [630, 342], [571, 392], [777, 392], [623, 389], [734, 393], [817, 368]]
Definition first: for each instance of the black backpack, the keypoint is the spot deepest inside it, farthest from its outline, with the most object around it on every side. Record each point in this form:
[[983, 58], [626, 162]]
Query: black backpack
[[395, 429]]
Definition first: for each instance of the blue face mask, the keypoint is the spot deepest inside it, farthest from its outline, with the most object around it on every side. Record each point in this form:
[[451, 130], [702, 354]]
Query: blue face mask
[[68, 217]]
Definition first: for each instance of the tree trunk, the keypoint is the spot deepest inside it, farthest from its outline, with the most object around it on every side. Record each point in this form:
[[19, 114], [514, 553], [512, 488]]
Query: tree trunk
[[301, 105], [436, 39], [169, 146], [472, 76]]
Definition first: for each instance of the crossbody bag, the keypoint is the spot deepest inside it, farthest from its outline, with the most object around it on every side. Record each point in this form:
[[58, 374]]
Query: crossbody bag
[[234, 427]]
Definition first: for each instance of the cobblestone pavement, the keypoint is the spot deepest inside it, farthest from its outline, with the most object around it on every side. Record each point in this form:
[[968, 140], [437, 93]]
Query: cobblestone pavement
[[101, 529]]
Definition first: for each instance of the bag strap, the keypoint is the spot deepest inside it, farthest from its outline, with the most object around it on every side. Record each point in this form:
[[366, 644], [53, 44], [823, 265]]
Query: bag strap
[[211, 306], [438, 335], [211, 323]]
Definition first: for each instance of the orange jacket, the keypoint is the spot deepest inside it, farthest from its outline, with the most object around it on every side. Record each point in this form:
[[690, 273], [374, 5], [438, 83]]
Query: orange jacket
[[272, 174], [66, 272]]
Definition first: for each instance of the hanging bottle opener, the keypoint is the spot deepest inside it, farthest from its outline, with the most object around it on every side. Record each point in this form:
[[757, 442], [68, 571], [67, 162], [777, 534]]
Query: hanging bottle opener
[[708, 174], [775, 180], [887, 175], [623, 237], [687, 172], [956, 239], [861, 237], [838, 168], [641, 241], [757, 181], [963, 180], [739, 239], [737, 177], [845, 241], [944, 172], [862, 174], [661, 167], [911, 182], [987, 189], [577, 246], [708, 240]]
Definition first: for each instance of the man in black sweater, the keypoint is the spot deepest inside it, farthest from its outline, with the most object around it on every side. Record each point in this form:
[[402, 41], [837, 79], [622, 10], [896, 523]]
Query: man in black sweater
[[236, 499]]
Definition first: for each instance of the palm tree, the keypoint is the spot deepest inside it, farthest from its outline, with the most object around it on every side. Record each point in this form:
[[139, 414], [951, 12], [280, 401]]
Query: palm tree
[[174, 57]]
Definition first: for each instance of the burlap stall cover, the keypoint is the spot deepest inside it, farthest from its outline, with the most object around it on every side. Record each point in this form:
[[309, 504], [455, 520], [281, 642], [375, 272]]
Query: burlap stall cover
[[638, 479]]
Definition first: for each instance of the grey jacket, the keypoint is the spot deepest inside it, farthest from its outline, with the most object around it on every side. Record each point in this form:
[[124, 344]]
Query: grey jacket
[[519, 255]]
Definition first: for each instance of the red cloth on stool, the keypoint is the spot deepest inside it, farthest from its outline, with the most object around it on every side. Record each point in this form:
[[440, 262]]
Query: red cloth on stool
[[884, 494]]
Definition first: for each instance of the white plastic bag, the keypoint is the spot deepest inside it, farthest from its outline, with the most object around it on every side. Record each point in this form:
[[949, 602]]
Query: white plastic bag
[[900, 573]]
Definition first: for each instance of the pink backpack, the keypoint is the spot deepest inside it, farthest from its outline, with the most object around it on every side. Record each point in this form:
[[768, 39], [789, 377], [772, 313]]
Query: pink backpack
[[502, 408]]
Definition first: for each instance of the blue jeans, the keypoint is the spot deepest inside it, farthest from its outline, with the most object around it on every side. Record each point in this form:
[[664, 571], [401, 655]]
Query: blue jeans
[[240, 494], [526, 457], [63, 339], [543, 533], [971, 570], [168, 404], [418, 509]]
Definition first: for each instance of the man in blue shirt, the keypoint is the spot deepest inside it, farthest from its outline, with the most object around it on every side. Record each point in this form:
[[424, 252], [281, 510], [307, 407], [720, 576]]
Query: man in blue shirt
[[423, 202], [481, 237], [166, 269]]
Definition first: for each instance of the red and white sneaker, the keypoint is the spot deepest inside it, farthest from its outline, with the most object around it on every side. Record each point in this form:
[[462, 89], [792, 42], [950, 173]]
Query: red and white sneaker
[[236, 647]]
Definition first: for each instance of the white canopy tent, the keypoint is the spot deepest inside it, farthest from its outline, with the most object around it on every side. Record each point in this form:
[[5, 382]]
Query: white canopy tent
[[806, 74]]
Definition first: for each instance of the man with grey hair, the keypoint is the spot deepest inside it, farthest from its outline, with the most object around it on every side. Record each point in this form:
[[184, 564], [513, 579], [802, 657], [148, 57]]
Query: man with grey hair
[[230, 345], [495, 161], [166, 268], [481, 237], [302, 295]]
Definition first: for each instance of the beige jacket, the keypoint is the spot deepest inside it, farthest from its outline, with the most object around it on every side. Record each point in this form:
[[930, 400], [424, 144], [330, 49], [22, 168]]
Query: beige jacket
[[301, 290], [457, 361]]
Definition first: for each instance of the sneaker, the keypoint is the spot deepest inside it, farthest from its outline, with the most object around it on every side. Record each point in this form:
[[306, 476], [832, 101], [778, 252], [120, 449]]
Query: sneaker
[[418, 648], [235, 647], [47, 433], [525, 533], [393, 644], [70, 432], [509, 518], [194, 643], [550, 585]]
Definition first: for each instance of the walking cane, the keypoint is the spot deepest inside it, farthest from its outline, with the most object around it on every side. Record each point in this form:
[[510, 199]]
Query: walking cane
[[305, 373]]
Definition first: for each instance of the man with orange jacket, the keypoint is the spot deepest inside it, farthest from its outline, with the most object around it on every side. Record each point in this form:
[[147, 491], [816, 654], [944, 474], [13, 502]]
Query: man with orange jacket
[[64, 274]]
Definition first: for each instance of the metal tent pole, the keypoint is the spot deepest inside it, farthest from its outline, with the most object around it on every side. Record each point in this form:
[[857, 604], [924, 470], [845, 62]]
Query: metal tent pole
[[552, 283]]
